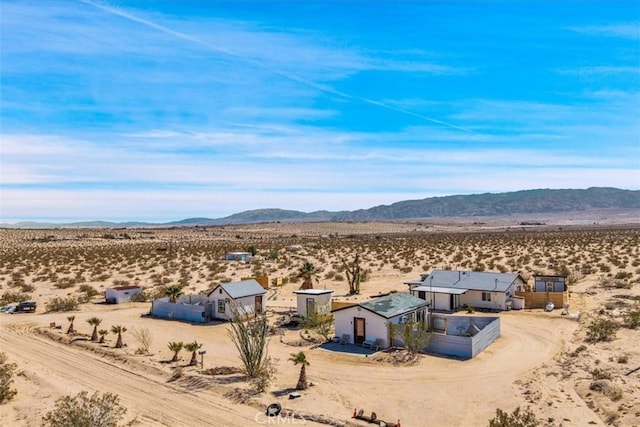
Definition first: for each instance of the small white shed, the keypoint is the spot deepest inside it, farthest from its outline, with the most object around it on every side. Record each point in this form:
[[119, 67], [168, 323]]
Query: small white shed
[[120, 294], [246, 295], [310, 300]]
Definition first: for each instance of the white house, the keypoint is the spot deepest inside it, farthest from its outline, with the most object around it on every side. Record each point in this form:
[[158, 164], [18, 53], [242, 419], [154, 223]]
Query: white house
[[449, 290], [246, 296], [310, 300], [120, 294], [369, 320]]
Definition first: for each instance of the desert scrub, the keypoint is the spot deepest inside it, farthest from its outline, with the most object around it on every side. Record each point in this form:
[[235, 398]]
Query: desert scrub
[[601, 329], [62, 304], [6, 379]]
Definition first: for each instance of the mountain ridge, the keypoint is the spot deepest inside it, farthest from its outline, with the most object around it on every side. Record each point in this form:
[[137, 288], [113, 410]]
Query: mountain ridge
[[484, 204]]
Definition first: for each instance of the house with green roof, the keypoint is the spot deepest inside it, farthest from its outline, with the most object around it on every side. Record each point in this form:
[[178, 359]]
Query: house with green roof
[[368, 321]]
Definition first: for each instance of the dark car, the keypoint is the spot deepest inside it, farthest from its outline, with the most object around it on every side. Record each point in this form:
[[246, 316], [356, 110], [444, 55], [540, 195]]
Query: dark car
[[26, 307]]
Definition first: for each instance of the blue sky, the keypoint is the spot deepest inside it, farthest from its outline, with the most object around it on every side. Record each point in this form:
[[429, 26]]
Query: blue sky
[[158, 111]]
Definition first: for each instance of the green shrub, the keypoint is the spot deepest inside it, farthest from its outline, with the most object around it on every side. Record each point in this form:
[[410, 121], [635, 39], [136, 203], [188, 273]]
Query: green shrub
[[62, 304], [601, 329], [518, 418], [81, 410], [10, 297], [6, 379], [632, 319]]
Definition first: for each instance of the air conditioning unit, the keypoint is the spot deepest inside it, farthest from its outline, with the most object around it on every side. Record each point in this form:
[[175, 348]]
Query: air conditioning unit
[[403, 319]]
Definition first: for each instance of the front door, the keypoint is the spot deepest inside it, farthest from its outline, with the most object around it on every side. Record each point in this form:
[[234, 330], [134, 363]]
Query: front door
[[358, 330], [258, 304], [311, 307]]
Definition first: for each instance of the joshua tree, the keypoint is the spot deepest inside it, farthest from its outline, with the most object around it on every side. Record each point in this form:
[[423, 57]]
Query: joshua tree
[[353, 275], [193, 347], [301, 359], [174, 292], [102, 333], [95, 322], [309, 273], [117, 329], [71, 329], [176, 347]]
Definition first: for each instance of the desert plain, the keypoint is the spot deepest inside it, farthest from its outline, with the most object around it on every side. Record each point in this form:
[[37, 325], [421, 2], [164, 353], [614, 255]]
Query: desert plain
[[542, 360]]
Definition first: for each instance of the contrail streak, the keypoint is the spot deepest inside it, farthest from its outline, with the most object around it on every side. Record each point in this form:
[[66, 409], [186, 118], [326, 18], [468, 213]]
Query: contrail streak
[[257, 64]]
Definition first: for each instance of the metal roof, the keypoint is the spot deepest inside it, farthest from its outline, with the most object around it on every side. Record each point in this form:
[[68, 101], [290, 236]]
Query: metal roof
[[313, 291], [439, 290], [394, 304], [243, 288], [471, 280]]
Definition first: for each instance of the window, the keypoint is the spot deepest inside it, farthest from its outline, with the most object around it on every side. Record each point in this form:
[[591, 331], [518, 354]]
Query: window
[[221, 306], [486, 296], [549, 286]]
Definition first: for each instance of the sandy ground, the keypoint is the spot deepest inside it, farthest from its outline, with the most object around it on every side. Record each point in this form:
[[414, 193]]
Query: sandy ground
[[532, 364]]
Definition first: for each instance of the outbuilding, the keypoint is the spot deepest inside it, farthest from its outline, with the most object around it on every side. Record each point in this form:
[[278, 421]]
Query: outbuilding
[[246, 296], [120, 294], [313, 300]]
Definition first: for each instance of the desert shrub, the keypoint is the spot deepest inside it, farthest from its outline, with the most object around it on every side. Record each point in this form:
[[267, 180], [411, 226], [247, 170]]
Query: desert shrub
[[140, 297], [65, 283], [10, 297], [27, 288], [607, 388], [600, 374], [62, 304], [632, 319], [81, 410], [89, 291], [518, 418], [578, 350], [601, 329], [319, 322], [623, 358], [6, 379], [144, 338]]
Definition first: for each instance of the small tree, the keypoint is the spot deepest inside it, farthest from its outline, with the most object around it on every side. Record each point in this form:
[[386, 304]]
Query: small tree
[[309, 274], [193, 347], [6, 379], [83, 411], [301, 359], [319, 322], [354, 275], [517, 418], [117, 329], [102, 333], [415, 336], [176, 347], [250, 339], [174, 292], [95, 322], [144, 339]]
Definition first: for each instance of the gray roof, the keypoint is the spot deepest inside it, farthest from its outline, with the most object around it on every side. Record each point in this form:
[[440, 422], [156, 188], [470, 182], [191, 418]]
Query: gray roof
[[394, 304], [243, 288], [471, 280], [438, 290]]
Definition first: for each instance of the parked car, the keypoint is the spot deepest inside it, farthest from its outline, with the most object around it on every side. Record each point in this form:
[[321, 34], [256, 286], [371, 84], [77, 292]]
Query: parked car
[[9, 309], [26, 307]]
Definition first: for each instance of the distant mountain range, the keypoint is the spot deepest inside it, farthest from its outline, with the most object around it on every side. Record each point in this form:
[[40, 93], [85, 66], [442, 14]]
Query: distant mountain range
[[489, 204]]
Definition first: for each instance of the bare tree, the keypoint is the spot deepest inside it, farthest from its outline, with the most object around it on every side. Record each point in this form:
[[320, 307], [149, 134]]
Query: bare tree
[[144, 339]]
